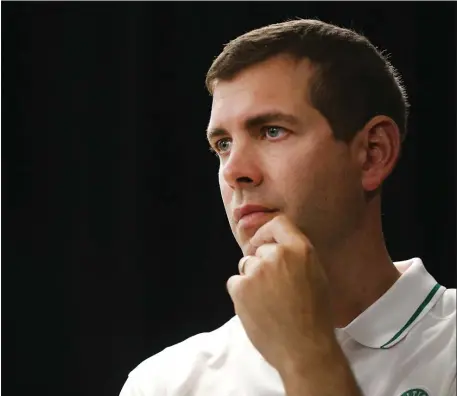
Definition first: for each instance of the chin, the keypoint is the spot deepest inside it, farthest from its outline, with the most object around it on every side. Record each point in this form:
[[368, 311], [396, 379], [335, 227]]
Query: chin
[[243, 244]]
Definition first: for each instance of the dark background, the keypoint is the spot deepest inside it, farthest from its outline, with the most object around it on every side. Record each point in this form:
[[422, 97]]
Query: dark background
[[115, 241]]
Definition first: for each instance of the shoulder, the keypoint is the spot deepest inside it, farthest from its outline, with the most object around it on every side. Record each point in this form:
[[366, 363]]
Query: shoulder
[[445, 308], [439, 326], [203, 346], [179, 363], [433, 344]]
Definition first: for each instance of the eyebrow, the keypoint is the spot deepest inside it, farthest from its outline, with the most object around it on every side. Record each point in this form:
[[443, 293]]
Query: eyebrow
[[255, 121]]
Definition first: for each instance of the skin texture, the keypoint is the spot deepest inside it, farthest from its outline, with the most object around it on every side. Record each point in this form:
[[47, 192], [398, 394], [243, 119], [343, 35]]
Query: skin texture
[[320, 259]]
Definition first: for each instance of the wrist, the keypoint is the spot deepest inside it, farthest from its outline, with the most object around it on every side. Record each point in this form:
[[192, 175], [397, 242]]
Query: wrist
[[320, 370], [309, 356]]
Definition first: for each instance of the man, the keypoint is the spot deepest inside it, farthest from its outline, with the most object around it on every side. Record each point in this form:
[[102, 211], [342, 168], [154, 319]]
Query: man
[[307, 120]]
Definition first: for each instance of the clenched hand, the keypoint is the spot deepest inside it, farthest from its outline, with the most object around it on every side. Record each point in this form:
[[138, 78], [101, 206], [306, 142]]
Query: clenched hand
[[281, 297]]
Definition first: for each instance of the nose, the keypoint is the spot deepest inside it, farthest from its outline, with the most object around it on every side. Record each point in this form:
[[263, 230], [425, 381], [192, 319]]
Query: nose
[[242, 169]]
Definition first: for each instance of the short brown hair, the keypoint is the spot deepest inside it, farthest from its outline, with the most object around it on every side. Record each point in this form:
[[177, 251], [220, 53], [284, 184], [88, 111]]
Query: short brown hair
[[353, 81]]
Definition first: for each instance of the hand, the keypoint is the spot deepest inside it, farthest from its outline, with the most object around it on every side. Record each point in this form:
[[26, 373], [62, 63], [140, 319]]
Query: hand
[[282, 298]]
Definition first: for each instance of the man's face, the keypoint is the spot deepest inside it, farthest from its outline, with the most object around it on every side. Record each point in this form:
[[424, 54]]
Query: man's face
[[278, 152]]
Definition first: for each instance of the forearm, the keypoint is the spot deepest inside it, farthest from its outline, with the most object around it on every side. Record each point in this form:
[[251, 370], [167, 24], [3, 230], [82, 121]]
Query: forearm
[[324, 373]]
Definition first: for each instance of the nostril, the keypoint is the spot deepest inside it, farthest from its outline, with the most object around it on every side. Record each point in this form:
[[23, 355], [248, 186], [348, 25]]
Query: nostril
[[244, 179]]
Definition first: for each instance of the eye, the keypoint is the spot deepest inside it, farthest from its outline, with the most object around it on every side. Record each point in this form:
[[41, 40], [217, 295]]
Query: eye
[[273, 132], [222, 145]]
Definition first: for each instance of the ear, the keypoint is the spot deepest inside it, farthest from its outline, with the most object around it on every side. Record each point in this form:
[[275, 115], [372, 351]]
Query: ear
[[377, 151]]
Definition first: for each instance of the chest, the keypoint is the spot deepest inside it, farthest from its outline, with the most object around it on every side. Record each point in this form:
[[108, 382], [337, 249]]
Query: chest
[[401, 371]]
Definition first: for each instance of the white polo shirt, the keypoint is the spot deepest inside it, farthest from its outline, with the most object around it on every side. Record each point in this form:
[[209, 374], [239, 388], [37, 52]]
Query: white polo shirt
[[402, 345]]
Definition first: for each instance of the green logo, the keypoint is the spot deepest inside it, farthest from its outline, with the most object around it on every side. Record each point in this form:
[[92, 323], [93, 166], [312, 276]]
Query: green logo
[[415, 392]]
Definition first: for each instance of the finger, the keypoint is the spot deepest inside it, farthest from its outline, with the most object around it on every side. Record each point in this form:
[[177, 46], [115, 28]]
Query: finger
[[232, 284], [279, 230], [267, 251], [241, 264], [248, 264]]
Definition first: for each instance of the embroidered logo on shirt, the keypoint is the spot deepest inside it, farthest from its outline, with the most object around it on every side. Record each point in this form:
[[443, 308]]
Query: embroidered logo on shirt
[[415, 392]]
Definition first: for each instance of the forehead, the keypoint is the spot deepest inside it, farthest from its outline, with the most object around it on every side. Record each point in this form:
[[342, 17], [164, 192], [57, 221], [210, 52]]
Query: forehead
[[278, 84]]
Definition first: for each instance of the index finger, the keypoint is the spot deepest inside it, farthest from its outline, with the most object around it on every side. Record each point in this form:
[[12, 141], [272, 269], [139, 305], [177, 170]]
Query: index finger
[[278, 230]]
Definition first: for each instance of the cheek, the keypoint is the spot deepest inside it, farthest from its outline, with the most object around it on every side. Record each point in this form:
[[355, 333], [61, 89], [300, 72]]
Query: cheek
[[296, 174], [306, 180], [226, 191]]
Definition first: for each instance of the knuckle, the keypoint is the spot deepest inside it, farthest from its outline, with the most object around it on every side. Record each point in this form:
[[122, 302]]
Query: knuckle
[[280, 251], [234, 289], [242, 289], [279, 218]]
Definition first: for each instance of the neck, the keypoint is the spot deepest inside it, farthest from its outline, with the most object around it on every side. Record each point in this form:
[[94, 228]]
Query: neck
[[359, 270]]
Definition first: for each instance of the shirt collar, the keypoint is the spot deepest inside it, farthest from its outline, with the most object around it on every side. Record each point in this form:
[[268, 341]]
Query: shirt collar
[[390, 318]]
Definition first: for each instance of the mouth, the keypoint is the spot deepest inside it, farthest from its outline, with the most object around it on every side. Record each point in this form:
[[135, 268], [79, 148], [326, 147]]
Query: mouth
[[249, 216], [255, 219]]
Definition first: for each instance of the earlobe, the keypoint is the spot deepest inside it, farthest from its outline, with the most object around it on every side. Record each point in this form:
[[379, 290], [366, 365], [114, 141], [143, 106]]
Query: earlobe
[[371, 183]]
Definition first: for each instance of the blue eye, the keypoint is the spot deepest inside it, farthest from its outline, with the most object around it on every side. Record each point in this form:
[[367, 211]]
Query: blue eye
[[273, 131], [223, 145]]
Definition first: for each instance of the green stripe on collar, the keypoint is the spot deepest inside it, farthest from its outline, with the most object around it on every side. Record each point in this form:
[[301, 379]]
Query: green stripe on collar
[[415, 315]]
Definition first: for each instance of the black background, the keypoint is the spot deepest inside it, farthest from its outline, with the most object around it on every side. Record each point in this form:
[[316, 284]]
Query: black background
[[115, 241]]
